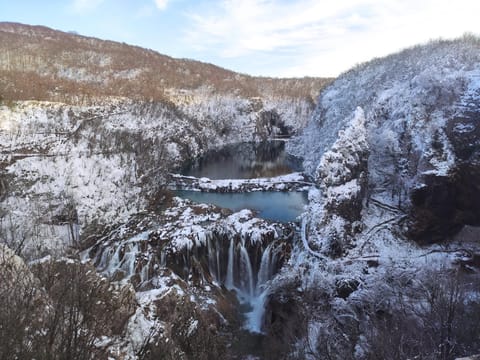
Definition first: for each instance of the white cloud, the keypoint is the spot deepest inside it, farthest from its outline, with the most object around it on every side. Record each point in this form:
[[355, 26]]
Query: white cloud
[[82, 6], [161, 4], [314, 37]]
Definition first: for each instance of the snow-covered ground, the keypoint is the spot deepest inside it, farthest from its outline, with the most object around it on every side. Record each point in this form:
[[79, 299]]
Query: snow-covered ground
[[289, 182]]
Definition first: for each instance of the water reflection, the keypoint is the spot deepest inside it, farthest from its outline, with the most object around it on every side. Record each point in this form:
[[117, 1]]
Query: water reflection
[[244, 161]]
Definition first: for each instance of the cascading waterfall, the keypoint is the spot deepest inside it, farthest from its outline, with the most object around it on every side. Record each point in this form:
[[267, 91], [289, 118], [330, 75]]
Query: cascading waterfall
[[265, 272], [251, 288], [246, 272], [229, 280], [240, 264], [122, 258], [254, 318]]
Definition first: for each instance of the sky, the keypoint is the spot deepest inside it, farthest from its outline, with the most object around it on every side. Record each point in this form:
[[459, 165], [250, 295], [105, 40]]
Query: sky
[[279, 38]]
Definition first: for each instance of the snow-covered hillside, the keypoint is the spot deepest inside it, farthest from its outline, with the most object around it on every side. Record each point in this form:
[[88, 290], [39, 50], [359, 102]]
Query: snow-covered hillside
[[90, 131], [69, 167], [384, 265], [385, 273], [89, 128], [420, 107]]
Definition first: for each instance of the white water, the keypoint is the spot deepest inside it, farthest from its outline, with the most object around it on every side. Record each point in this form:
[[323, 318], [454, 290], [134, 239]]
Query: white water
[[229, 280], [250, 286], [265, 272], [252, 289], [246, 272], [254, 318]]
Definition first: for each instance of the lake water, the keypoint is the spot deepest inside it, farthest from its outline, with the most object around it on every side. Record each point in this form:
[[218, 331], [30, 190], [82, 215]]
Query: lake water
[[244, 161], [270, 205]]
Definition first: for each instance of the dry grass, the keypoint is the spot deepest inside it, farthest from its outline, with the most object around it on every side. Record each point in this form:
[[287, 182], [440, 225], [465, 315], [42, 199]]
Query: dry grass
[[38, 63]]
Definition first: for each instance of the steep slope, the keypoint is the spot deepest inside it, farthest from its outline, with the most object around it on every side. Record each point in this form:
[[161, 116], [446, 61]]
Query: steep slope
[[421, 107], [383, 269]]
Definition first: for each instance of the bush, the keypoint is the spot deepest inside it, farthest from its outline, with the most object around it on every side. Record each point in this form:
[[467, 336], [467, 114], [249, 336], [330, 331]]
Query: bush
[[57, 310]]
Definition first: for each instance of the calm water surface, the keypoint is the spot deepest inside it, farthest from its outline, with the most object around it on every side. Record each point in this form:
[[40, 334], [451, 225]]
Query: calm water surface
[[270, 205], [244, 161]]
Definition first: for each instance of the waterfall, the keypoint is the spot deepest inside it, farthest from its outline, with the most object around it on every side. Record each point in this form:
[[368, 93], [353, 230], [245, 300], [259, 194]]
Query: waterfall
[[229, 280], [122, 258], [130, 259], [258, 299], [265, 272], [251, 288], [163, 258], [243, 264], [245, 267], [111, 263], [254, 318], [146, 268], [246, 272], [144, 272], [211, 260], [219, 275]]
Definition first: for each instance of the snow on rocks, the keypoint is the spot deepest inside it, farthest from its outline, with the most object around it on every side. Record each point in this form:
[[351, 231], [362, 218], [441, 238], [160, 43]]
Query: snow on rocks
[[420, 137], [419, 109], [341, 175], [106, 160], [180, 259], [146, 243], [289, 182]]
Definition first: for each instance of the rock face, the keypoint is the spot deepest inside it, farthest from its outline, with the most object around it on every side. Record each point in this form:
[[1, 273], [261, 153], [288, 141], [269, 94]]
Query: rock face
[[421, 110], [342, 179]]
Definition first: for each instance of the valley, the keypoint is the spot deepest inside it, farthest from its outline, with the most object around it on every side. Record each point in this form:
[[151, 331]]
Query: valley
[[153, 207]]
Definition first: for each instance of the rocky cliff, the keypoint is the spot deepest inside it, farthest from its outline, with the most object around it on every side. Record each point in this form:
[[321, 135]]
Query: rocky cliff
[[421, 108], [390, 237]]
